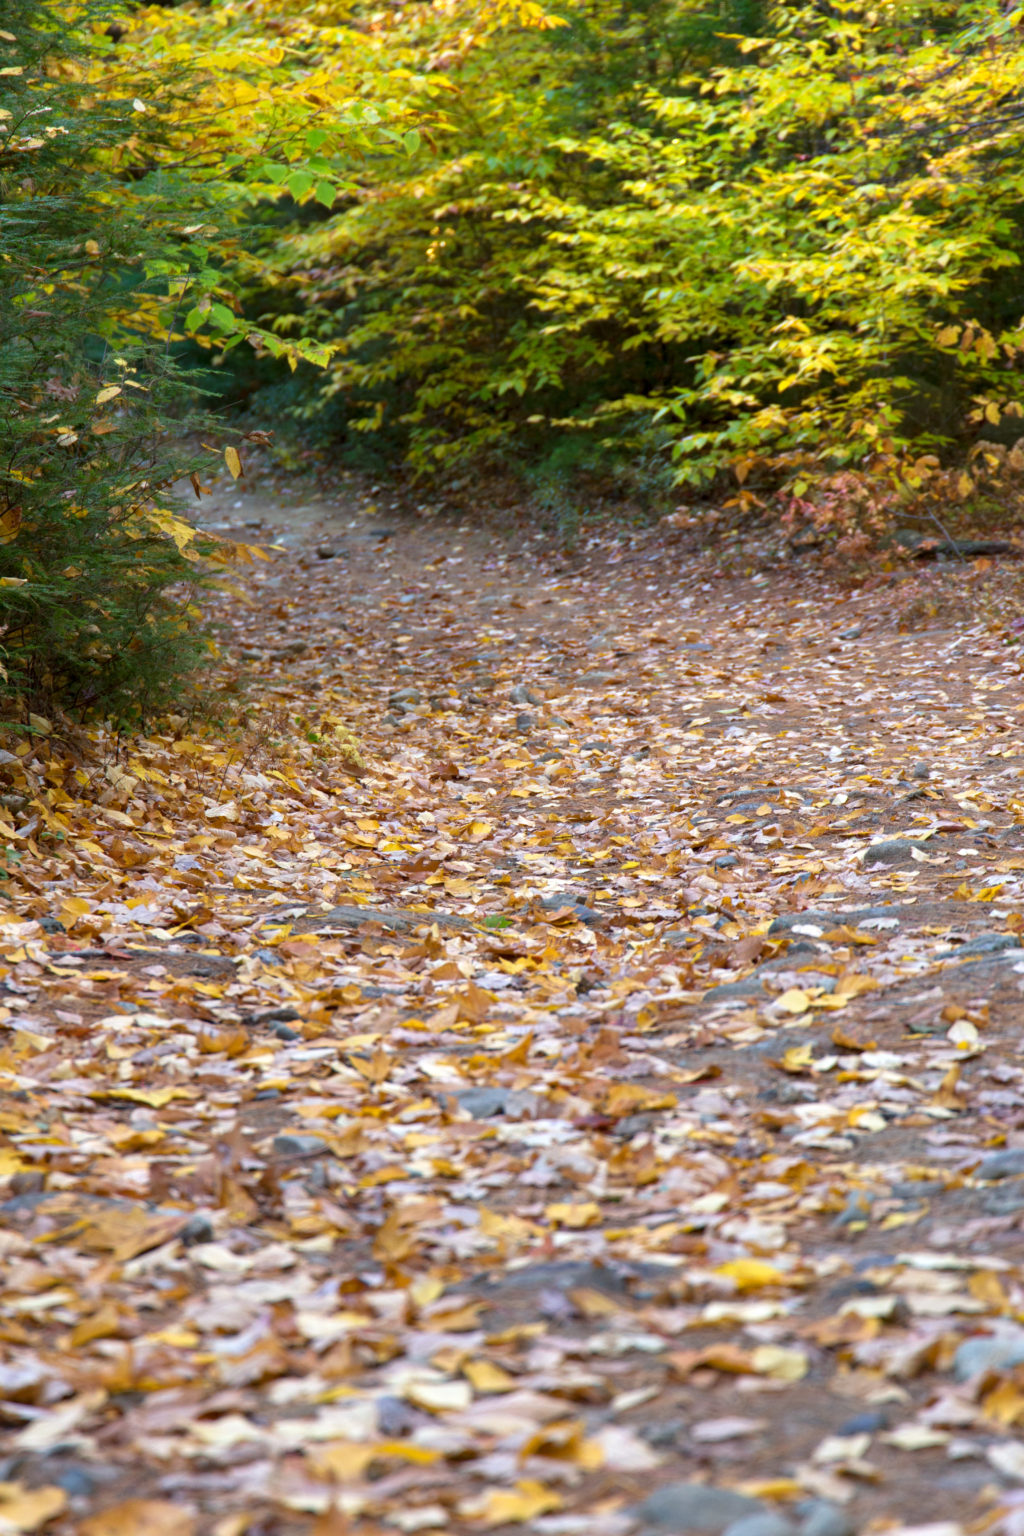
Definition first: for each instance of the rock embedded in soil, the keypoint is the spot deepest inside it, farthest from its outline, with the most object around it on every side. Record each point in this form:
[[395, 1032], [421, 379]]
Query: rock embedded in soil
[[820, 1517], [288, 1145], [1001, 1165], [770, 1523], [990, 1352], [697, 1507], [988, 944], [894, 850]]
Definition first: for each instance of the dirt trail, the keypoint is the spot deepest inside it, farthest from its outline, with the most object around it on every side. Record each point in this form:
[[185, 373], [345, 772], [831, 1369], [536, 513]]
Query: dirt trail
[[598, 1113]]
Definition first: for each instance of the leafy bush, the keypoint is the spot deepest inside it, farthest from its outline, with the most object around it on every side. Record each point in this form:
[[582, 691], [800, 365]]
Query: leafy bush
[[97, 571], [748, 239]]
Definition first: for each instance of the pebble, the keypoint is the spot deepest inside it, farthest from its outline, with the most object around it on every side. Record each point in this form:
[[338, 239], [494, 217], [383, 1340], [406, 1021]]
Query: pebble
[[525, 722], [697, 1507], [409, 696], [867, 1423], [894, 850], [521, 694], [1001, 1165], [325, 552], [482, 1103], [820, 1517], [198, 1229], [921, 770], [852, 634], [829, 920], [988, 944], [727, 861], [768, 1524], [1002, 1200], [289, 1145], [991, 1352]]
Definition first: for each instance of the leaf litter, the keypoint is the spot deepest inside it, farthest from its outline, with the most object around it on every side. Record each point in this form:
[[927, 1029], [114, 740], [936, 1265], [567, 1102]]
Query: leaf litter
[[549, 1061]]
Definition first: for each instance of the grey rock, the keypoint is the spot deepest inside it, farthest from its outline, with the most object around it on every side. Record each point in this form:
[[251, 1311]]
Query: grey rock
[[697, 1507], [397, 919], [1003, 1199], [596, 679], [291, 1145], [727, 861], [482, 1103], [1001, 1165], [750, 986], [831, 919], [768, 1524], [921, 770], [867, 1423], [282, 1032], [325, 552], [525, 722], [664, 1432], [521, 694], [988, 944], [894, 850], [198, 1229], [852, 634], [820, 1517], [404, 696], [990, 1352]]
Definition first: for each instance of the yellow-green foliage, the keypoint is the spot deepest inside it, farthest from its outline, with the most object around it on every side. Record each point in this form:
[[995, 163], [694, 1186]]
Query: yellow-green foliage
[[770, 239]]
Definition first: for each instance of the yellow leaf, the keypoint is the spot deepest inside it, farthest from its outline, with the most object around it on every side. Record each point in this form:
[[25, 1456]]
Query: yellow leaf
[[752, 1274], [565, 1214], [140, 1517], [779, 1363], [502, 1506], [108, 393], [799, 1058], [233, 462], [28, 1509], [485, 1376], [795, 1000]]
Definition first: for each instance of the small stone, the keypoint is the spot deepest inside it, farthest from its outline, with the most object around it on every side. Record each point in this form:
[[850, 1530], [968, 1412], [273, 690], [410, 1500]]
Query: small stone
[[768, 1524], [664, 1433], [482, 1103], [852, 634], [856, 1209], [988, 944], [198, 1229], [396, 1418], [290, 1145], [521, 694], [404, 696], [697, 1507], [750, 986], [820, 1517], [77, 1482], [525, 722], [1001, 1165], [867, 1423], [325, 552], [991, 1352], [894, 850], [51, 925], [921, 770], [596, 679], [284, 1033], [727, 861]]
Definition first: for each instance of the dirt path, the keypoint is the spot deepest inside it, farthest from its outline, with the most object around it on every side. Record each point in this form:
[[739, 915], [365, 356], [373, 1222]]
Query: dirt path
[[599, 1113]]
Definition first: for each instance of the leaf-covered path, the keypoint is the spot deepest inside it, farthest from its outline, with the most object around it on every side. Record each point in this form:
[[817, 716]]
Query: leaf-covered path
[[600, 1113]]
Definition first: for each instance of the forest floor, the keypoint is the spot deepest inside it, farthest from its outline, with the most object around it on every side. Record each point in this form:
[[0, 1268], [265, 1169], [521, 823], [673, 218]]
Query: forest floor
[[600, 1112]]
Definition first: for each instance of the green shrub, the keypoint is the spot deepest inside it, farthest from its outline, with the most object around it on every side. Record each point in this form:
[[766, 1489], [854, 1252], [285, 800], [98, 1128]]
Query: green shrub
[[97, 570]]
